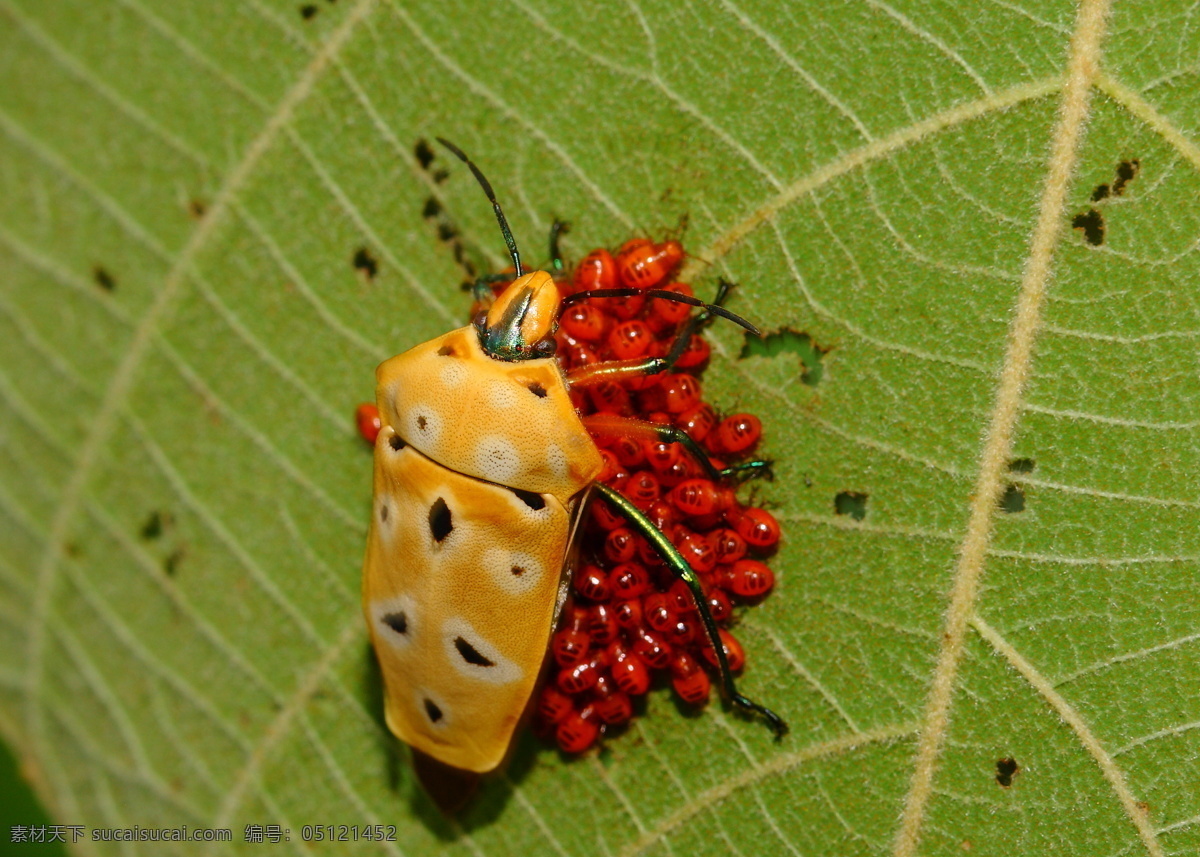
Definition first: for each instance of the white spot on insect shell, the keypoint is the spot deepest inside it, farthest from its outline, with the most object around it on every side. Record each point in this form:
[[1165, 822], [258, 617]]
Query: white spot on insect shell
[[556, 461], [503, 394], [422, 424], [461, 641], [497, 460], [515, 572], [395, 620], [454, 373]]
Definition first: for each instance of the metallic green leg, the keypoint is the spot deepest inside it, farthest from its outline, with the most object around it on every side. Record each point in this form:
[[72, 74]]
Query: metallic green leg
[[748, 470], [557, 229], [683, 571], [481, 289]]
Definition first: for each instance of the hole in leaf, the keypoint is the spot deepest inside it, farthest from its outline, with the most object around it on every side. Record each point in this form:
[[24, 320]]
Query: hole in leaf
[[1006, 769], [1091, 225], [1021, 465], [1127, 171], [446, 232], [787, 341], [155, 525], [852, 503], [440, 176], [104, 279], [308, 11], [171, 563], [365, 263], [197, 208], [1101, 192], [432, 208], [424, 153], [1013, 500]]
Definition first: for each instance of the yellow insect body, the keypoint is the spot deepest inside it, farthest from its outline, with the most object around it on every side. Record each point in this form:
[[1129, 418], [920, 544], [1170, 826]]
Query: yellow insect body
[[479, 469]]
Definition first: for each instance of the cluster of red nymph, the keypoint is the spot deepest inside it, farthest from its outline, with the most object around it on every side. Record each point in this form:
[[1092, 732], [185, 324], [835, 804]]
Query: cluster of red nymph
[[630, 620]]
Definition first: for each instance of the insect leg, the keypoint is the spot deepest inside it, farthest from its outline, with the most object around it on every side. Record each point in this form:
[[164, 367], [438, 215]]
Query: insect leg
[[616, 370], [481, 289], [710, 309], [684, 572], [558, 229]]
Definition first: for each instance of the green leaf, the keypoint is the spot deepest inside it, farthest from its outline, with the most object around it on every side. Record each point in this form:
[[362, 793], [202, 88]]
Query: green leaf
[[989, 489]]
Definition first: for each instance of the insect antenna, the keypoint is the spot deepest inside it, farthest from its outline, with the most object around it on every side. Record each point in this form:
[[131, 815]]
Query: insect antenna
[[713, 309], [487, 188]]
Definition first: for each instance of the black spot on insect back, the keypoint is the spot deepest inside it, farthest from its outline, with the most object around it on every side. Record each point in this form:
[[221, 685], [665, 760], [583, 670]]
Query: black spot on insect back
[[534, 501], [440, 524], [398, 622], [470, 654], [435, 713]]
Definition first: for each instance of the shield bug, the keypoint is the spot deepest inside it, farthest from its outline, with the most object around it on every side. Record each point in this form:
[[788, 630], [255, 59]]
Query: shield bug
[[483, 471]]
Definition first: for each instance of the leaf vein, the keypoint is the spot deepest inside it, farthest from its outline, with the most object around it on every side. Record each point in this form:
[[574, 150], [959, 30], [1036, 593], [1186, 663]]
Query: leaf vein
[[1083, 59], [777, 766], [1093, 746], [882, 147]]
